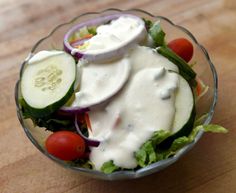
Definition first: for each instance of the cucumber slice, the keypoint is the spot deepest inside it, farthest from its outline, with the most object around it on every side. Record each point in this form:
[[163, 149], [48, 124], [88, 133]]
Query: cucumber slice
[[185, 113], [48, 83], [184, 105], [184, 69]]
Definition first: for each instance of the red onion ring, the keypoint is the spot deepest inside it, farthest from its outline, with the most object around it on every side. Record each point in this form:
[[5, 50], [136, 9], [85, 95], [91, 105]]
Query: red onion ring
[[89, 142], [79, 42], [106, 55], [72, 110]]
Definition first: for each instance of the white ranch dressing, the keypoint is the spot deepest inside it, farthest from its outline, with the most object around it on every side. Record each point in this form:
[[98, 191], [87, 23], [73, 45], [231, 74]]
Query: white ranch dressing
[[146, 104], [42, 55], [132, 117], [145, 57], [114, 35], [99, 82]]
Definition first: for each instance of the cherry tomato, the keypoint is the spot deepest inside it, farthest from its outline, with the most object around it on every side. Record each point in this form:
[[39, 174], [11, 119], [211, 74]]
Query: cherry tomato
[[65, 145], [182, 47]]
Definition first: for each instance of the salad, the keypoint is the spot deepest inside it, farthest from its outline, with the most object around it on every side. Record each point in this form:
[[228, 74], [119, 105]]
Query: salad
[[118, 96]]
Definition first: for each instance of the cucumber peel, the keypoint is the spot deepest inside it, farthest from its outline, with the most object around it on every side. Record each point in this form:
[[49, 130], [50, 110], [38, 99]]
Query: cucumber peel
[[48, 83], [184, 69], [185, 113]]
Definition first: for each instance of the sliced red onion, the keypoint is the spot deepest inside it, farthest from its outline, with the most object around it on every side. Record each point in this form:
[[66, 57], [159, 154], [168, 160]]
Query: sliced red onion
[[79, 42], [89, 142], [72, 110], [106, 55], [68, 111]]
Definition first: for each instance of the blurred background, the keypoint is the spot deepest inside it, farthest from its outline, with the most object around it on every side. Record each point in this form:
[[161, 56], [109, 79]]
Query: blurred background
[[209, 167]]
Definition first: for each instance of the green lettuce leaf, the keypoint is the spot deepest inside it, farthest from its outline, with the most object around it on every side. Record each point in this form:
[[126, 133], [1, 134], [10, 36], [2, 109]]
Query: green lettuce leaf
[[52, 122], [150, 152], [214, 128], [207, 128], [84, 163], [157, 34], [175, 146], [148, 24], [200, 120], [147, 153], [92, 30], [109, 167]]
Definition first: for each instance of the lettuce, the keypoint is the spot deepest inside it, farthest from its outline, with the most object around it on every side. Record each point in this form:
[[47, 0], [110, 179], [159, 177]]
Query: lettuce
[[150, 152], [51, 122], [175, 146], [147, 153], [207, 128], [109, 167], [148, 24], [84, 163], [157, 34]]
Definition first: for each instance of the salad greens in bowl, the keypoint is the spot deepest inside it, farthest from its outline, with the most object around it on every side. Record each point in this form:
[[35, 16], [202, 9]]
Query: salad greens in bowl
[[117, 94]]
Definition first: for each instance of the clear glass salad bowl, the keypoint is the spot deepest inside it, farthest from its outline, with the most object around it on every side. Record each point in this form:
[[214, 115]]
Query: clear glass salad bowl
[[203, 67]]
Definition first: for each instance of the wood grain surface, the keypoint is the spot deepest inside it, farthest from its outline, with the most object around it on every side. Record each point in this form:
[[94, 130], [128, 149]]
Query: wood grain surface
[[210, 167]]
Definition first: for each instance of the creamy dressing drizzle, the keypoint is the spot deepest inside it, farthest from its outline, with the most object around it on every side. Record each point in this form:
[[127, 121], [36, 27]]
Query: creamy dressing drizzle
[[112, 36], [99, 82], [145, 104], [132, 117]]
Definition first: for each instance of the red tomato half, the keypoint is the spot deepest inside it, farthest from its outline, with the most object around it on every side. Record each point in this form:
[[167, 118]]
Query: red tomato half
[[182, 47], [65, 145]]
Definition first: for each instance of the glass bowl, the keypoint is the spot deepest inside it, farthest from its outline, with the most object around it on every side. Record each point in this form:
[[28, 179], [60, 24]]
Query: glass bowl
[[204, 68]]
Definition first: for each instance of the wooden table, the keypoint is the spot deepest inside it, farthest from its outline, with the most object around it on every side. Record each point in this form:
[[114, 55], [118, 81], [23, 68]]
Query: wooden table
[[209, 167]]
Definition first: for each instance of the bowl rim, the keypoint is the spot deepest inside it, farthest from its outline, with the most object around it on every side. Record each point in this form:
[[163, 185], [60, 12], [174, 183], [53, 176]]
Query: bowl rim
[[126, 174]]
